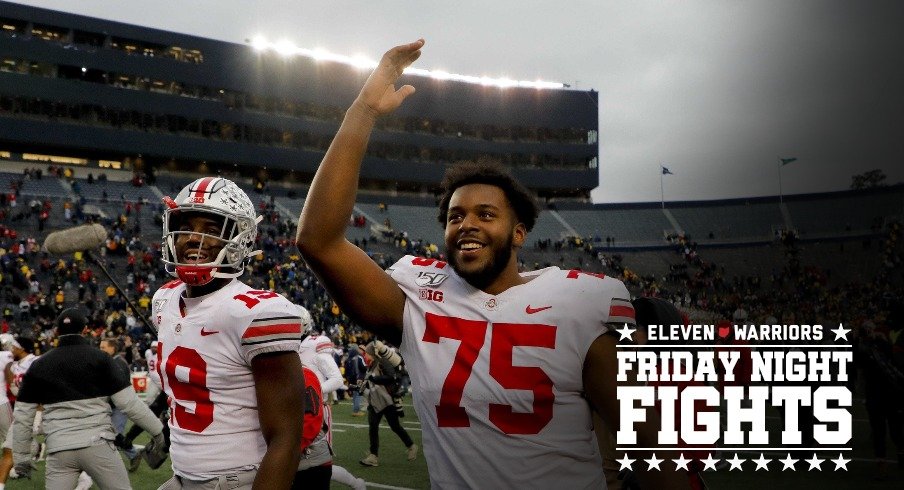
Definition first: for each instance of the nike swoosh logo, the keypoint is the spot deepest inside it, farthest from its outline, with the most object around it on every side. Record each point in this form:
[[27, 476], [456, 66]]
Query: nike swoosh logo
[[531, 311], [205, 333]]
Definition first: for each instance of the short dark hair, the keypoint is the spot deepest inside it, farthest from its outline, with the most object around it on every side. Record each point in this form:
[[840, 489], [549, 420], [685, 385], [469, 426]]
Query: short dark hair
[[489, 172], [114, 342], [26, 343]]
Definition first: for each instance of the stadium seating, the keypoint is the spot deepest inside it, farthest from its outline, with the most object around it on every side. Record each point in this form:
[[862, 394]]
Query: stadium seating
[[627, 226], [856, 213], [729, 221]]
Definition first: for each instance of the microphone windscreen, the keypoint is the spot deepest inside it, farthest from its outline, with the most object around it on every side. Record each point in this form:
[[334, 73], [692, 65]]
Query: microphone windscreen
[[77, 239]]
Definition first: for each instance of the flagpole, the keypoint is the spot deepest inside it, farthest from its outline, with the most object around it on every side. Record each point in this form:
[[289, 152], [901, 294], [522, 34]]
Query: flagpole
[[661, 188], [781, 197]]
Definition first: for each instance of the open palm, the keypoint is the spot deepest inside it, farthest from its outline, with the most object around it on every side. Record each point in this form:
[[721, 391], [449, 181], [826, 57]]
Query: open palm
[[379, 94]]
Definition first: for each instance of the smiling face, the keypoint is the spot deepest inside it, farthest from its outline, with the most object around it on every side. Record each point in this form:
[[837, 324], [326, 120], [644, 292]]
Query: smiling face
[[198, 241], [481, 234]]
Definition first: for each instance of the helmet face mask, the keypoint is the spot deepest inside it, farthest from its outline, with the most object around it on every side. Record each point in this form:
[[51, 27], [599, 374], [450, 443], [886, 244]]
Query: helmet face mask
[[222, 201]]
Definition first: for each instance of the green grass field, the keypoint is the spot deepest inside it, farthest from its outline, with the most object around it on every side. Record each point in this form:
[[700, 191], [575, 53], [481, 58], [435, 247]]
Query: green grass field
[[350, 435]]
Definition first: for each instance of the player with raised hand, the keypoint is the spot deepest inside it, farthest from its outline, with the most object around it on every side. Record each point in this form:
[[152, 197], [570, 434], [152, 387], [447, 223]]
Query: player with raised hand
[[503, 364], [228, 354]]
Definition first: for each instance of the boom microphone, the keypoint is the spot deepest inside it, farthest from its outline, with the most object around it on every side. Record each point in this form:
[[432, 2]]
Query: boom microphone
[[76, 239]]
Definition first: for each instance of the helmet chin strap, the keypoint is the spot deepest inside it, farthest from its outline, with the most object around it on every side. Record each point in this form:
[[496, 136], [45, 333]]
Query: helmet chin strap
[[195, 275], [200, 275]]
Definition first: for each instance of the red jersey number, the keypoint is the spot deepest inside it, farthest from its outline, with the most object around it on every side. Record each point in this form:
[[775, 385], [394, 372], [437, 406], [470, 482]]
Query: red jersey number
[[505, 337], [254, 297], [183, 393]]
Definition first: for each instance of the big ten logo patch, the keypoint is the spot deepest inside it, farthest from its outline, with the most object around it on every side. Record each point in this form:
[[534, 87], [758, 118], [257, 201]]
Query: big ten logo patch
[[431, 295]]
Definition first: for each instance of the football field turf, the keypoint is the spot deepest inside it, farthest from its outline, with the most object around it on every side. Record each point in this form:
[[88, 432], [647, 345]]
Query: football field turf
[[351, 442]]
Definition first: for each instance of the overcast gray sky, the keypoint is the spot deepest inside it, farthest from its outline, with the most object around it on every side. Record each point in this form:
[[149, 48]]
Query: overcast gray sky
[[714, 90]]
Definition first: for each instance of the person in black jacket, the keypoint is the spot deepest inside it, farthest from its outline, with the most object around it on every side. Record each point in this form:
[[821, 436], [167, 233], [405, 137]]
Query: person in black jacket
[[76, 383], [355, 370]]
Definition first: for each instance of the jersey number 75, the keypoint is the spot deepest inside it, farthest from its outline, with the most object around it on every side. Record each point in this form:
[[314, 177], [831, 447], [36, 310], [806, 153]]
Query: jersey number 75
[[505, 337]]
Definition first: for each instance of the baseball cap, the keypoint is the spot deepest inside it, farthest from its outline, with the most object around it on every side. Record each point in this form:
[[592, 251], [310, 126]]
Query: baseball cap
[[71, 320]]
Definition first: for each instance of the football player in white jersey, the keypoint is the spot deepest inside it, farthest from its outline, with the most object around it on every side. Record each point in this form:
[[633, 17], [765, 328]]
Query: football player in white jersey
[[21, 351], [227, 353], [6, 410], [502, 364], [317, 354], [153, 383]]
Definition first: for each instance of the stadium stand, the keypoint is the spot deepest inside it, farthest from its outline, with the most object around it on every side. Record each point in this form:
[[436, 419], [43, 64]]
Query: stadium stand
[[627, 226], [844, 212], [730, 221]]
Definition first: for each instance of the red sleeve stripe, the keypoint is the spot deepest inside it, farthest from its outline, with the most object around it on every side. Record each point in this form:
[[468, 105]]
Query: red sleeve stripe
[[275, 329], [621, 312]]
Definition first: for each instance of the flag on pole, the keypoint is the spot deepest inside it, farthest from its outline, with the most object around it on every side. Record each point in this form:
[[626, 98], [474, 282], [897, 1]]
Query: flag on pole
[[666, 171], [786, 161]]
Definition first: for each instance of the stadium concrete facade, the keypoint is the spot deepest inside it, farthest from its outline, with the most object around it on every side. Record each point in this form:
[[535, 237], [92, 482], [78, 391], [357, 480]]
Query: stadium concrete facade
[[109, 91]]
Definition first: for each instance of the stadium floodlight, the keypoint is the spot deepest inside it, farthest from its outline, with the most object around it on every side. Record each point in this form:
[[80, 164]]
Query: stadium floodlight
[[320, 54], [440, 74], [259, 43], [506, 82], [416, 71], [286, 48], [361, 61]]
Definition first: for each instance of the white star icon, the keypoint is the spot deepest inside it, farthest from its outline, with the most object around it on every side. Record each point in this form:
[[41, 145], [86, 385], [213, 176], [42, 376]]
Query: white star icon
[[625, 332], [735, 462], [840, 462], [625, 462], [789, 463], [709, 462], [654, 462], [762, 463], [840, 332], [681, 462], [814, 463]]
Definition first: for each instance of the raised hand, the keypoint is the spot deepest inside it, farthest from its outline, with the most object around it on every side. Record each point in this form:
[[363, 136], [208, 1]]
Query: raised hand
[[379, 95]]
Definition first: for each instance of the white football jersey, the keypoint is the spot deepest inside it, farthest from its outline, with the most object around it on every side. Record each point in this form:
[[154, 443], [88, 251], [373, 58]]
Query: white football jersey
[[6, 357], [317, 354], [18, 370], [497, 379], [205, 349], [153, 376]]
